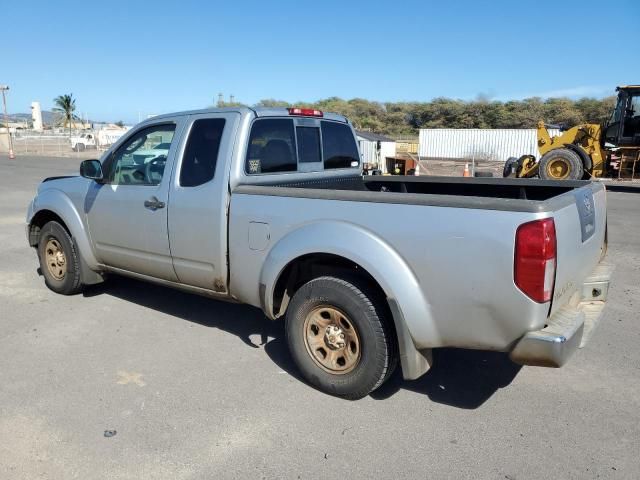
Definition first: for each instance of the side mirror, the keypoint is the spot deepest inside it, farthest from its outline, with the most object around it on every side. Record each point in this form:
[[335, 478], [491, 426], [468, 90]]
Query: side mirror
[[91, 169]]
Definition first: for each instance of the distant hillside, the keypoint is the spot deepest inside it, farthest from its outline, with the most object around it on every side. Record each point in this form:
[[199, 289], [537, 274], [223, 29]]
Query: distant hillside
[[47, 117]]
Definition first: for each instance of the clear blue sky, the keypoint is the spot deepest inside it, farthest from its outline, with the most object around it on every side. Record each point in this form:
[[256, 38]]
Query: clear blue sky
[[119, 58]]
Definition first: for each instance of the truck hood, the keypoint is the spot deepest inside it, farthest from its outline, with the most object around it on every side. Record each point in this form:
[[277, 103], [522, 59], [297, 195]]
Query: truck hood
[[66, 183], [48, 179]]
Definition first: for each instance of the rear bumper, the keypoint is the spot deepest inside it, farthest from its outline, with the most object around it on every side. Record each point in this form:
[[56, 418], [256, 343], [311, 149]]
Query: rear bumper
[[569, 328]]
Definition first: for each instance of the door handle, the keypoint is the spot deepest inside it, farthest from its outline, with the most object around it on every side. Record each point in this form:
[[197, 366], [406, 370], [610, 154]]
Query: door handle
[[153, 203]]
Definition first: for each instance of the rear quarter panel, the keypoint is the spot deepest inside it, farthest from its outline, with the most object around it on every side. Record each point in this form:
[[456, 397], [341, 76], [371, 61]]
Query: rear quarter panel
[[460, 259]]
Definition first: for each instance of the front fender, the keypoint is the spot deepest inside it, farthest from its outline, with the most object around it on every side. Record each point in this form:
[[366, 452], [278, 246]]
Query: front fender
[[59, 203], [369, 251]]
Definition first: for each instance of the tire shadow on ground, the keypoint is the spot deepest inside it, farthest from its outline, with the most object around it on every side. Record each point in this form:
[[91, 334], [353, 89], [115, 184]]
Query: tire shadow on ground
[[459, 378]]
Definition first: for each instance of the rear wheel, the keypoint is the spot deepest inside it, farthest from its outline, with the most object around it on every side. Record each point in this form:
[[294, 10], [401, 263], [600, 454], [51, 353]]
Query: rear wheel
[[340, 337], [59, 261], [561, 164], [510, 166]]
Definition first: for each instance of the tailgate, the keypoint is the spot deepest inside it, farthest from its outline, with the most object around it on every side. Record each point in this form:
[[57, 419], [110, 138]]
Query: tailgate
[[580, 235]]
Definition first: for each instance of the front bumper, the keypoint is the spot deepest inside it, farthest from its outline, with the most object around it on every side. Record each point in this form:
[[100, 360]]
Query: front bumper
[[569, 328]]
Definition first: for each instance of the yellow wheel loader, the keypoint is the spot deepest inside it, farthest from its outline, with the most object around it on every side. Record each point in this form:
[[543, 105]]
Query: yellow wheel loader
[[588, 150]]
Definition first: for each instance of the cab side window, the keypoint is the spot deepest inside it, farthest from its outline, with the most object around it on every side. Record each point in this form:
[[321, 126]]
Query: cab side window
[[201, 153], [142, 158], [272, 147]]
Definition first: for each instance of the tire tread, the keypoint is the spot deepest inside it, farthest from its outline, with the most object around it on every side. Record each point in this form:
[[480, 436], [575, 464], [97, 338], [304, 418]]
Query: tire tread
[[386, 358], [76, 286]]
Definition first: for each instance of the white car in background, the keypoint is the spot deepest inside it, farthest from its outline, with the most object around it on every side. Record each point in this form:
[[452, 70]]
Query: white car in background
[[101, 138], [82, 142]]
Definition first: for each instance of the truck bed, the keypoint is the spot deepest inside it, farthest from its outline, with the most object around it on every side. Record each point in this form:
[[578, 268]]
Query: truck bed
[[525, 195]]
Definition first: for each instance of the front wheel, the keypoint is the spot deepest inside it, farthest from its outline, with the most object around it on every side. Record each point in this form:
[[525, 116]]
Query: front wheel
[[59, 260], [561, 164], [340, 337]]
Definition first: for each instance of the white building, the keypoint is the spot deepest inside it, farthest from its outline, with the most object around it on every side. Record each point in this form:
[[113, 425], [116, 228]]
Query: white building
[[375, 149], [36, 116], [479, 143]]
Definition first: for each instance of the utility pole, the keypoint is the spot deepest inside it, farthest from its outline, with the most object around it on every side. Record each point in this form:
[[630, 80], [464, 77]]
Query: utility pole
[[4, 88]]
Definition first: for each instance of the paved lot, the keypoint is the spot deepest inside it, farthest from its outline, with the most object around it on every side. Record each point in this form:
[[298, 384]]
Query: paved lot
[[200, 389]]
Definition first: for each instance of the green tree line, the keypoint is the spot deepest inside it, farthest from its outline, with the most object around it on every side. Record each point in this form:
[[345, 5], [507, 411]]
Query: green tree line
[[405, 118]]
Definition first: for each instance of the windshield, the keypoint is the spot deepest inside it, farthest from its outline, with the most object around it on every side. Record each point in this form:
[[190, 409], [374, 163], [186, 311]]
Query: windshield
[[616, 115]]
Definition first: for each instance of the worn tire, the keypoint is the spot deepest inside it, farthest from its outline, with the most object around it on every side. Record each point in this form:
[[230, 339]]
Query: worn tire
[[561, 164], [366, 313], [52, 236]]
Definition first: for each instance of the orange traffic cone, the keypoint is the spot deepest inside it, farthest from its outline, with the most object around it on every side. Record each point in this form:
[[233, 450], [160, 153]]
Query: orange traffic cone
[[466, 172], [11, 154]]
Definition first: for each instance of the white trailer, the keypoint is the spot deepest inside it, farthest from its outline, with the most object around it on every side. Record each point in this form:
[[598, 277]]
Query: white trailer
[[481, 144]]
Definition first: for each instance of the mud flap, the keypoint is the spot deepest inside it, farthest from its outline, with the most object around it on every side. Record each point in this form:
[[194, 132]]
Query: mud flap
[[414, 362]]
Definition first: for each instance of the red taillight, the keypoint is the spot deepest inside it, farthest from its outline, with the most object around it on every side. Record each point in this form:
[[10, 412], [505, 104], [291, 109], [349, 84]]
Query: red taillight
[[535, 259], [306, 112]]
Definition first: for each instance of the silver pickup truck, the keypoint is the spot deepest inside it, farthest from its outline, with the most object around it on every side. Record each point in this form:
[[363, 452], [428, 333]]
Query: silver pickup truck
[[269, 207]]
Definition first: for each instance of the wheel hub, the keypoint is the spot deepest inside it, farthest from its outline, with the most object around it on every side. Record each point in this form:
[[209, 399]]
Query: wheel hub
[[334, 337], [56, 259], [60, 260], [332, 340], [558, 168]]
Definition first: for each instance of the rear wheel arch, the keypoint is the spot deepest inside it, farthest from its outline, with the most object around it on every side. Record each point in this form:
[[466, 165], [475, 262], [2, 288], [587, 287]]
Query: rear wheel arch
[[305, 268], [347, 244]]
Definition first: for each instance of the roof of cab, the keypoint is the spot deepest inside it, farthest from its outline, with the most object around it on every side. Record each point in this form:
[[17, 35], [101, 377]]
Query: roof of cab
[[257, 111]]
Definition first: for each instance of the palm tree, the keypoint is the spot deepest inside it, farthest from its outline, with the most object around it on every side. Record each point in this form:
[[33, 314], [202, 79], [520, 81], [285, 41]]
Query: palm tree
[[65, 106]]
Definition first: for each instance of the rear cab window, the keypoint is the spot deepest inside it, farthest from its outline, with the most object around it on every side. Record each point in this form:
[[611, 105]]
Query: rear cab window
[[281, 145], [272, 147]]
